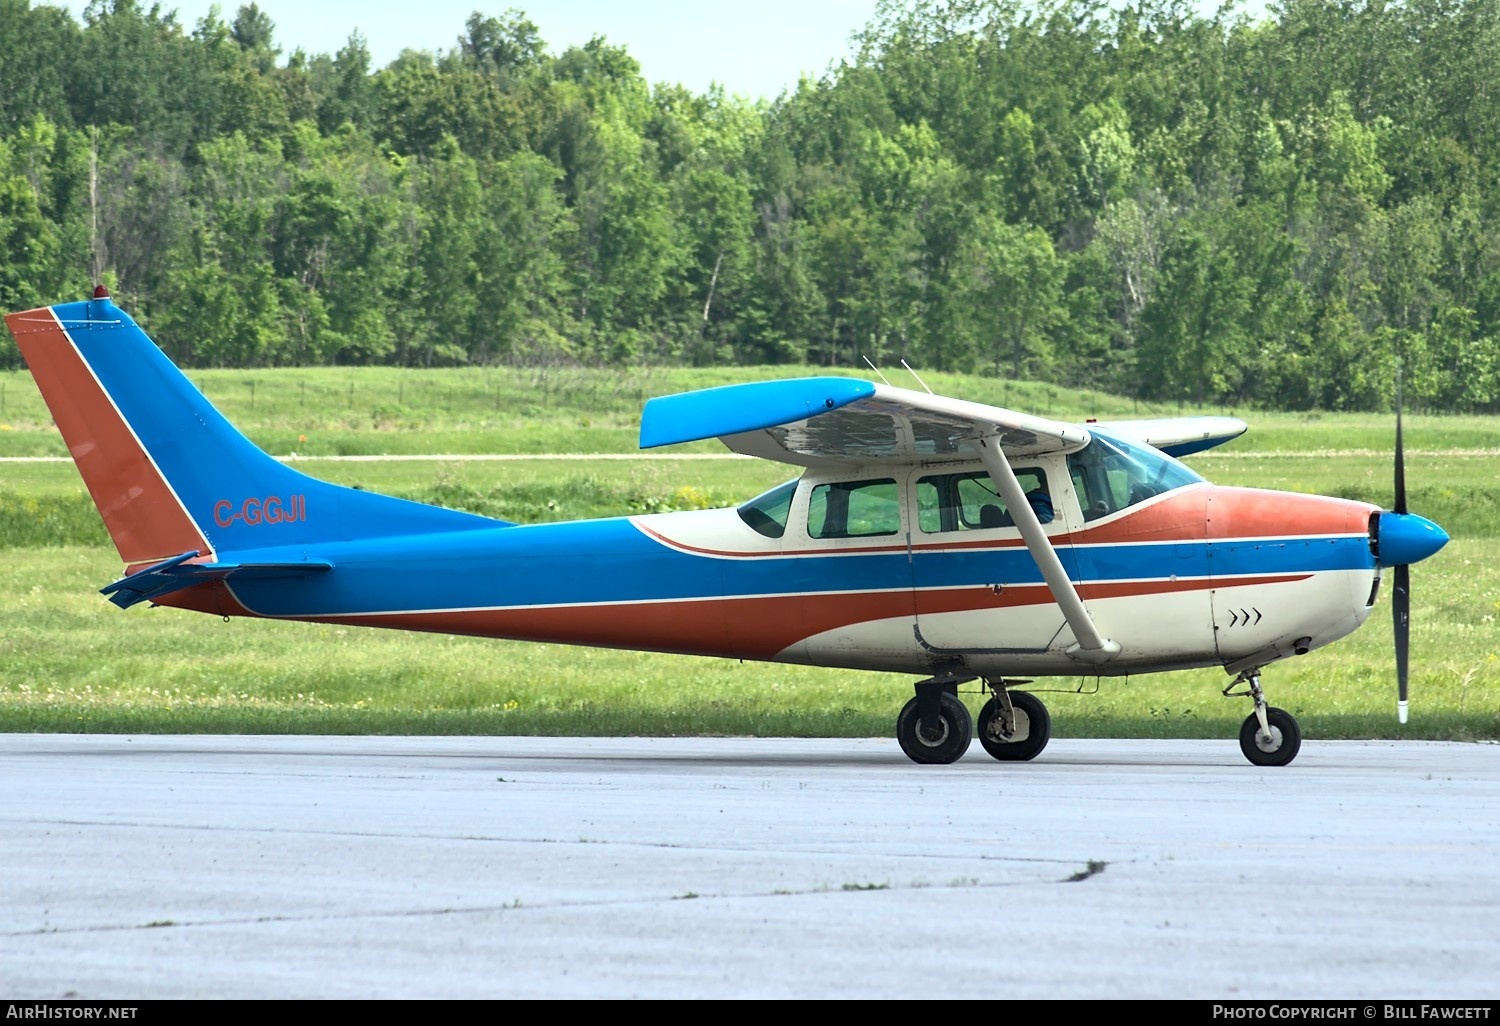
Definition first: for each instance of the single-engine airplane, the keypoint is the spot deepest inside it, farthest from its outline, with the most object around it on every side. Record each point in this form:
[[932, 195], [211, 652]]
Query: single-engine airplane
[[928, 536]]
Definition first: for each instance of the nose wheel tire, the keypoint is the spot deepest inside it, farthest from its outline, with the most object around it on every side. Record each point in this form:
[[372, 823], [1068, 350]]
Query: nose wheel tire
[[1281, 748], [1033, 728], [945, 744]]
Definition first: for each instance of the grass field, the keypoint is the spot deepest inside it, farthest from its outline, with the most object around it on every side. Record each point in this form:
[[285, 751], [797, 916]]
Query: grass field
[[73, 662]]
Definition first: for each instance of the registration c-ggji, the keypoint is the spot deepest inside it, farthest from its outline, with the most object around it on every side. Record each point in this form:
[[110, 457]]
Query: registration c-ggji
[[270, 510]]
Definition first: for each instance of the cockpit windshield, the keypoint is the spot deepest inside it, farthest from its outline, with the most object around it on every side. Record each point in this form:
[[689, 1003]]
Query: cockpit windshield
[[1111, 473], [768, 513]]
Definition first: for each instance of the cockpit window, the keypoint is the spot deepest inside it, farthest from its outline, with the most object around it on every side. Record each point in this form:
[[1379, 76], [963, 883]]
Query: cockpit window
[[1110, 474], [767, 513]]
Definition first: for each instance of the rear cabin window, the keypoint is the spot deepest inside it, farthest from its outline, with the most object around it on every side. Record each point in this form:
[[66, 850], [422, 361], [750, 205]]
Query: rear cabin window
[[970, 502], [854, 509], [768, 513]]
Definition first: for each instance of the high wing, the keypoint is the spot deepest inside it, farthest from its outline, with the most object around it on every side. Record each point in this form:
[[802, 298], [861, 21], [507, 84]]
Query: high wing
[[827, 421], [1180, 436]]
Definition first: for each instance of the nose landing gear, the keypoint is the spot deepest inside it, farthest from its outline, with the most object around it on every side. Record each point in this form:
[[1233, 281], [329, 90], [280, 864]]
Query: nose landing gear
[[1269, 736]]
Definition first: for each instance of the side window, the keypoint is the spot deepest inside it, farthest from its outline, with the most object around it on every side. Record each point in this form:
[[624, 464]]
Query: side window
[[977, 504], [768, 513], [1096, 493], [1038, 495], [854, 509], [970, 502], [930, 508]]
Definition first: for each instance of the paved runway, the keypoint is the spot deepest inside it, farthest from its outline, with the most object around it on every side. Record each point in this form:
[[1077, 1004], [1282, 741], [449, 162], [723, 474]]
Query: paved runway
[[351, 867]]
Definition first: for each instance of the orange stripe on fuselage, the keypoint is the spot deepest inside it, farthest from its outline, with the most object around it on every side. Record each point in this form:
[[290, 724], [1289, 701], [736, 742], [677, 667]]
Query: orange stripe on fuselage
[[1217, 512], [751, 628], [1255, 513], [143, 516]]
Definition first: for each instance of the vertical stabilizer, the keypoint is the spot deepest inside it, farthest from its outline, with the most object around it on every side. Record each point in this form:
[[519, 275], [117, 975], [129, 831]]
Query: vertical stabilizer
[[167, 472]]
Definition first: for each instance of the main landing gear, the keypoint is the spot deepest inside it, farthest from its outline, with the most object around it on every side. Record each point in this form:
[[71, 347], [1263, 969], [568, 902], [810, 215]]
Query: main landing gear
[[1269, 736], [935, 726]]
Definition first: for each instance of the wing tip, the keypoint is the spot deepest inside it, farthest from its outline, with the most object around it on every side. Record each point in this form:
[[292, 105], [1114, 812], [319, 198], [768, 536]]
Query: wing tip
[[747, 406]]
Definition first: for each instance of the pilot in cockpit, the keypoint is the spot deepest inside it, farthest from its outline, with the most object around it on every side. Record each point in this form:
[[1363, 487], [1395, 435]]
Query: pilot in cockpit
[[1041, 503]]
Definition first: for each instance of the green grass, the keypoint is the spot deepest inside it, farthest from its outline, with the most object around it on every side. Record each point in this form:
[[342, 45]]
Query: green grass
[[382, 410], [73, 662]]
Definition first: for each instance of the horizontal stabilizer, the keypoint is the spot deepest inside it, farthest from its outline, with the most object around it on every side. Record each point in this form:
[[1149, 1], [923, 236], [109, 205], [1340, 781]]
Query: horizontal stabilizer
[[177, 573]]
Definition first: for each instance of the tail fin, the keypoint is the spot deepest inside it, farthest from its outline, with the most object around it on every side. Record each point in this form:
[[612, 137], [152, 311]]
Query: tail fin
[[168, 473]]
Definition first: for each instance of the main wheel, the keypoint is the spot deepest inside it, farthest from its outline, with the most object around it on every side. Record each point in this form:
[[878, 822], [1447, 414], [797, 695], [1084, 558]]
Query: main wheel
[[1286, 738], [945, 744], [1033, 728]]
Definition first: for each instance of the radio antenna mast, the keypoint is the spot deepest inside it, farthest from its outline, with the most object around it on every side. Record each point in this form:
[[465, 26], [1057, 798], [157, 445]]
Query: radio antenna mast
[[917, 376]]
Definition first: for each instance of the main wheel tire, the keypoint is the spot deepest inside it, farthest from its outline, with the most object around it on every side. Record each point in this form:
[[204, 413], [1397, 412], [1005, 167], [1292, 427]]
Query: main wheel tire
[[1286, 738], [951, 740], [1033, 728]]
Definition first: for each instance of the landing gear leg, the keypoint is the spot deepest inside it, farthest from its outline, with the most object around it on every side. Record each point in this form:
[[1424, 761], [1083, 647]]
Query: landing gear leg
[[1014, 726], [935, 726], [1269, 736]]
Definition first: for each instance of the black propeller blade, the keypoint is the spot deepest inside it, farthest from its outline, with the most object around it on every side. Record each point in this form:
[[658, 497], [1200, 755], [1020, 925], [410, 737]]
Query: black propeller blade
[[1401, 597], [1404, 538], [1401, 612]]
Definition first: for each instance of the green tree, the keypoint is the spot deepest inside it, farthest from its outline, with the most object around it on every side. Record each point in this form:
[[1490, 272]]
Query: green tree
[[1014, 288], [523, 290]]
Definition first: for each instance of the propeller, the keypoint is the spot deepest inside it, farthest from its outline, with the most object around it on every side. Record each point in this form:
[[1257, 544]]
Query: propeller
[[1404, 538], [1401, 590]]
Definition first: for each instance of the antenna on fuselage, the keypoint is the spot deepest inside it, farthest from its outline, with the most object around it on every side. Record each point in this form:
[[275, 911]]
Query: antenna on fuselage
[[917, 376], [873, 367]]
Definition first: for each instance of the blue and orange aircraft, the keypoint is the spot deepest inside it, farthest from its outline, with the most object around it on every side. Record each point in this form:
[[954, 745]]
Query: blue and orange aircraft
[[927, 536]]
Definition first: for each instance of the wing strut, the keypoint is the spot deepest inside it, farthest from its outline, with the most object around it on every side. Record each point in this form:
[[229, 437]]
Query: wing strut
[[1092, 647]]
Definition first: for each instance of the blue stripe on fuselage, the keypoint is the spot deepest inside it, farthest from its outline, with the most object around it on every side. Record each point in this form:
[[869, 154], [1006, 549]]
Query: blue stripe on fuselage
[[1222, 558]]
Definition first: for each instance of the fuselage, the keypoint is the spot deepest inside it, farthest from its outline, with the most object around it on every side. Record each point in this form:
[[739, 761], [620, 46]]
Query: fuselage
[[1198, 575]]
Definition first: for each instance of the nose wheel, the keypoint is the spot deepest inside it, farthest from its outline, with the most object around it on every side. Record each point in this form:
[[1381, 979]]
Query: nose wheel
[[1275, 744], [1269, 736]]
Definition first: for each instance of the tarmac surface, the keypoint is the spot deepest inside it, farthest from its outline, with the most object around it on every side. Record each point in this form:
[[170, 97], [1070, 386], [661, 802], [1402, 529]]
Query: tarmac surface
[[153, 867]]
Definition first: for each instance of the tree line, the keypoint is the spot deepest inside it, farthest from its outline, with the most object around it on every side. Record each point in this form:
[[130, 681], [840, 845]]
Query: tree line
[[1287, 210]]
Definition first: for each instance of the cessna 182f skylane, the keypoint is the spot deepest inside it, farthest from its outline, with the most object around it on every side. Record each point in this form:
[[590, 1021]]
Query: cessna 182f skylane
[[926, 535]]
